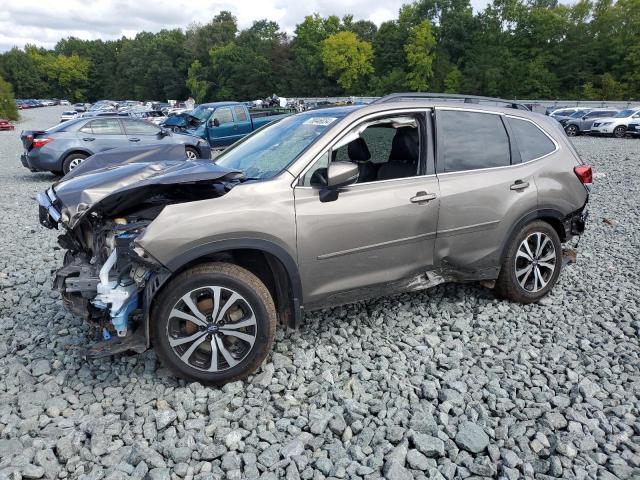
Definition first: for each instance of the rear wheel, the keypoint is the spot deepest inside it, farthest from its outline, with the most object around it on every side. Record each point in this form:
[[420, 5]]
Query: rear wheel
[[214, 323], [192, 153], [72, 161], [572, 130], [620, 131], [532, 264]]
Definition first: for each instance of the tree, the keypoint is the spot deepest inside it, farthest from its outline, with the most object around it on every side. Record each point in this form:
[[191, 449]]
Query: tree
[[347, 58], [7, 101], [195, 82], [453, 80], [420, 55]]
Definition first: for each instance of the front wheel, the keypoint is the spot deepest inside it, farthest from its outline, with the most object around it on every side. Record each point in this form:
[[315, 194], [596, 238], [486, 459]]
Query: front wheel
[[531, 265], [214, 323], [620, 131]]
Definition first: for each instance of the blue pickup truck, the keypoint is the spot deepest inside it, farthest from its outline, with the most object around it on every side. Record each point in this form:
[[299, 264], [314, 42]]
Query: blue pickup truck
[[221, 123]]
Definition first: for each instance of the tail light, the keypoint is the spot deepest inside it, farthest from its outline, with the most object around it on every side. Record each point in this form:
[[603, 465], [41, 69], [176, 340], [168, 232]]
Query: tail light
[[40, 142], [584, 173]]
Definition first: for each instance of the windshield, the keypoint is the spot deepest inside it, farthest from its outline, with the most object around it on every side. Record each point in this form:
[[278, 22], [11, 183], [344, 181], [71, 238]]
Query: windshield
[[624, 114], [270, 150], [202, 113]]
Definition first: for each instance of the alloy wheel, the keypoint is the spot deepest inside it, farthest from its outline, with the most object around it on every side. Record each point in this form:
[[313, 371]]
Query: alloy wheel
[[212, 328], [191, 155], [535, 262], [75, 162], [572, 130]]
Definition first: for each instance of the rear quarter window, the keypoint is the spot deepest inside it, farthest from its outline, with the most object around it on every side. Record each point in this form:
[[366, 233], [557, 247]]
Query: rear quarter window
[[531, 140]]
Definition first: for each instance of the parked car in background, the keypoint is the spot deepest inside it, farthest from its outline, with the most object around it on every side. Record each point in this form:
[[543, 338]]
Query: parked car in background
[[581, 122], [565, 113], [6, 124], [68, 115], [63, 147], [79, 107], [65, 102], [154, 116], [321, 208], [633, 129], [616, 125], [222, 123]]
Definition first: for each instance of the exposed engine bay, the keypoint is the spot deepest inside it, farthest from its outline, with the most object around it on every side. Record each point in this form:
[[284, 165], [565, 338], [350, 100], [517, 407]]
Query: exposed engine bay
[[105, 273]]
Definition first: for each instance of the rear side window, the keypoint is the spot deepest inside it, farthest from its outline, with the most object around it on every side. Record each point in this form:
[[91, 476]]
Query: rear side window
[[104, 126], [471, 140], [531, 141], [140, 128], [241, 114]]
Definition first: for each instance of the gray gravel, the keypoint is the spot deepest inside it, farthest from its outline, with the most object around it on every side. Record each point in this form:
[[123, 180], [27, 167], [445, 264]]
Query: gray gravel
[[448, 383]]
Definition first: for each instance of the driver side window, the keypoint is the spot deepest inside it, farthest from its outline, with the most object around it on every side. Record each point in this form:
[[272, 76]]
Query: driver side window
[[223, 115], [387, 148]]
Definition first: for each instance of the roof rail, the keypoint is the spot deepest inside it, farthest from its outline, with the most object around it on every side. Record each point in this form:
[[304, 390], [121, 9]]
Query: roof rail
[[452, 96]]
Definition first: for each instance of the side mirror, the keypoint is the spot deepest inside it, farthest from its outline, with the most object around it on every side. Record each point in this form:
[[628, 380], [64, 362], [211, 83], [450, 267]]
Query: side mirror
[[214, 122], [636, 115], [339, 175]]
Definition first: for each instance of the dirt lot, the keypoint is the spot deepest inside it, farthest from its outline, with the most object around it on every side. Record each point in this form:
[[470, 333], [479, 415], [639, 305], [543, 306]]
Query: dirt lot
[[448, 383]]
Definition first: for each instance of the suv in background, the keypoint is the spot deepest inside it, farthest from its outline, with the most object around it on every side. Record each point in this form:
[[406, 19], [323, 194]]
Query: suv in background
[[62, 148], [321, 208], [578, 124], [617, 124], [564, 113]]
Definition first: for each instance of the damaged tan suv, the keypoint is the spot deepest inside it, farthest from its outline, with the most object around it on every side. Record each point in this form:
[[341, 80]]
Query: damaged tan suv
[[200, 259]]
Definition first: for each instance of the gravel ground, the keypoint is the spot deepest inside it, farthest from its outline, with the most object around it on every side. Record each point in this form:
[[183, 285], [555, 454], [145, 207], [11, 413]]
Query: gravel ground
[[448, 383]]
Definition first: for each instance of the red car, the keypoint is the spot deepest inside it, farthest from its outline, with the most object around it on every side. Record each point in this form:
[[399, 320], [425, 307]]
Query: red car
[[6, 125]]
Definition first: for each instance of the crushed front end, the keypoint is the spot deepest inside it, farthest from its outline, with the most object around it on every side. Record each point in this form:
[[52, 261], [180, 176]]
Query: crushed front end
[[104, 274], [106, 277]]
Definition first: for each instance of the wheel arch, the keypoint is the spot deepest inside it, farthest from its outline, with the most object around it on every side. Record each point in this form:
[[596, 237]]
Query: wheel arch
[[271, 263], [553, 217]]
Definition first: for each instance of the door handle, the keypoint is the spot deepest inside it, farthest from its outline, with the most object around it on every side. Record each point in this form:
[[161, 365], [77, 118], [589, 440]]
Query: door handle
[[422, 197], [134, 139], [88, 139], [519, 185]]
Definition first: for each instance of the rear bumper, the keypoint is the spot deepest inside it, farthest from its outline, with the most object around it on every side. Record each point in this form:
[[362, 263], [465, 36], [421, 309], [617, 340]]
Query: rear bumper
[[575, 223]]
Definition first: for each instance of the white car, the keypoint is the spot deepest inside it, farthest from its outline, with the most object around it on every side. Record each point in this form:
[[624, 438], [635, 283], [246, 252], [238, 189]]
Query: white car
[[68, 115], [65, 102], [616, 125]]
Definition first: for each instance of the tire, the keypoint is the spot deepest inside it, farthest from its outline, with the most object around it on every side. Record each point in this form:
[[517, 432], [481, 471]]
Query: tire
[[192, 153], [513, 282], [620, 131], [572, 130], [72, 161], [169, 324]]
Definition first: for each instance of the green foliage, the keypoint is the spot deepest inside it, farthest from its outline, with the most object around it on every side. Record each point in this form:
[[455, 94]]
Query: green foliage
[[195, 81], [420, 55], [7, 101], [453, 80], [347, 58], [586, 49]]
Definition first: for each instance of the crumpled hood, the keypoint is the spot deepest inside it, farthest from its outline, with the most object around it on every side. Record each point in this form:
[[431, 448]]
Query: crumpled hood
[[112, 189]]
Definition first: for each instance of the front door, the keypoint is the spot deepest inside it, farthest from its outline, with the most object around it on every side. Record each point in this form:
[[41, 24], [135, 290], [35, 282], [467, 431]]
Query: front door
[[221, 129], [243, 122], [379, 233]]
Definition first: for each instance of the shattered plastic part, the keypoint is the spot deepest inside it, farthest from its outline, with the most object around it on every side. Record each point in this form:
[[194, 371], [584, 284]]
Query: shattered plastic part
[[121, 300]]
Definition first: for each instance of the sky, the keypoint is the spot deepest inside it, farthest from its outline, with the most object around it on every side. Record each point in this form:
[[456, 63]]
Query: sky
[[43, 23]]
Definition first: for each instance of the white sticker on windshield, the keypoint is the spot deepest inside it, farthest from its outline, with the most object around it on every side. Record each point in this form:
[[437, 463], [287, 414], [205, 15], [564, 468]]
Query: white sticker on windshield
[[321, 121]]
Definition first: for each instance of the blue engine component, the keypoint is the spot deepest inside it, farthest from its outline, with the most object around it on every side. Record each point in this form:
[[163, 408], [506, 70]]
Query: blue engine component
[[120, 320]]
